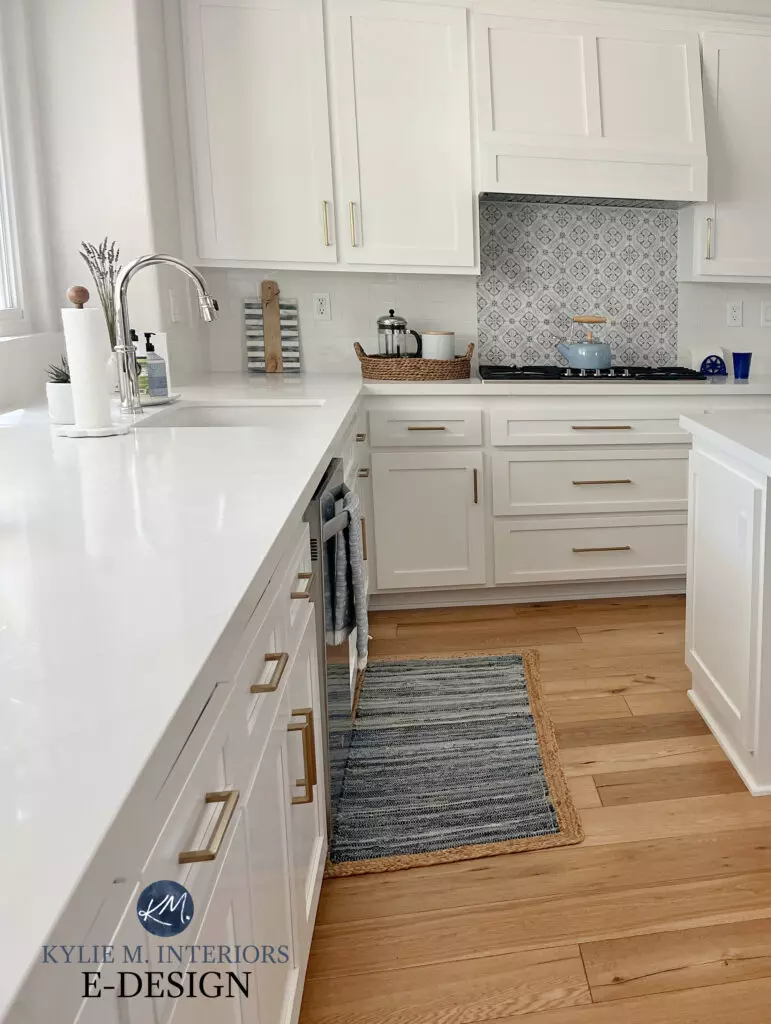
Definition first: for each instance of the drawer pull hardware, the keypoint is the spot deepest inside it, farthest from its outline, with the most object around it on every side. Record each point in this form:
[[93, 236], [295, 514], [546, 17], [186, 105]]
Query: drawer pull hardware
[[352, 222], [608, 426], [364, 538], [325, 220], [363, 474], [476, 486], [281, 661], [583, 551], [303, 595], [709, 238], [228, 799], [593, 483], [426, 428], [308, 781], [361, 438]]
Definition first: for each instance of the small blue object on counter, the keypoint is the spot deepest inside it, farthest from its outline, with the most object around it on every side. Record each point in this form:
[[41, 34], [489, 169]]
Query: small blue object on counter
[[714, 366], [742, 362]]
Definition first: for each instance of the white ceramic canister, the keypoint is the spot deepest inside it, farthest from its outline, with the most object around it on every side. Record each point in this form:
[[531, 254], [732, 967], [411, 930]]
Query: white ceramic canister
[[438, 344]]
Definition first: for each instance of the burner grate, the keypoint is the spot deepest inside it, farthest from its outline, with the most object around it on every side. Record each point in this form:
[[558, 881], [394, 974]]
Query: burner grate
[[615, 373]]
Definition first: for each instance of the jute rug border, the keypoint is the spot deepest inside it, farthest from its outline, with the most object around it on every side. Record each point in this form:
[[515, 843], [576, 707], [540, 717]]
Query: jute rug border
[[571, 831]]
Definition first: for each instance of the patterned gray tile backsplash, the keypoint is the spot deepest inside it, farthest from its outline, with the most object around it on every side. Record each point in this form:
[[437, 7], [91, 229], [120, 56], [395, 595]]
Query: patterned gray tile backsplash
[[543, 264]]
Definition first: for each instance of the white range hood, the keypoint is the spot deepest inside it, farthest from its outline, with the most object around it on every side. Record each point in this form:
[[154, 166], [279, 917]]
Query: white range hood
[[594, 110]]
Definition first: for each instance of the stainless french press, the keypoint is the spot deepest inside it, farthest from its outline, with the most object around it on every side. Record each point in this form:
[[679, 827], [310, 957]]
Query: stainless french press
[[393, 335]]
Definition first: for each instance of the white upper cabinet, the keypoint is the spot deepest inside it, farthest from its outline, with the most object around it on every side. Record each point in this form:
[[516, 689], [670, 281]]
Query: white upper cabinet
[[259, 130], [572, 108], [732, 234], [400, 91]]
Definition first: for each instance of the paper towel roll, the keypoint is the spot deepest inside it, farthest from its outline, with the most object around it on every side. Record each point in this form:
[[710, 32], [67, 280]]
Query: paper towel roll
[[88, 349]]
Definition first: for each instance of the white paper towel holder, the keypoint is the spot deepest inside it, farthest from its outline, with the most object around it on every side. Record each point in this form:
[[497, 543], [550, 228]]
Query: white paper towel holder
[[78, 296]]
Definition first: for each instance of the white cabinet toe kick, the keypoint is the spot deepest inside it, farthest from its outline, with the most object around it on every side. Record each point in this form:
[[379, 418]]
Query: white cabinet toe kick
[[487, 500]]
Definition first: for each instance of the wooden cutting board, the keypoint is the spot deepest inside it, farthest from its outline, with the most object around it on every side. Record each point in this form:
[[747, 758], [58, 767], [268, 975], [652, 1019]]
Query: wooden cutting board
[[271, 319]]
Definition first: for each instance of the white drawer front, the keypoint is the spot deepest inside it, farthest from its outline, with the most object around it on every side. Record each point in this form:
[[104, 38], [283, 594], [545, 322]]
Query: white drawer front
[[507, 428], [296, 587], [589, 480], [572, 548], [425, 428]]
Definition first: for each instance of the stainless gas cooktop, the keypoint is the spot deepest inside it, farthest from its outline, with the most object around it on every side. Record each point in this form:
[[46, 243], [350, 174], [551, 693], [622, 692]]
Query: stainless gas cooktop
[[559, 373]]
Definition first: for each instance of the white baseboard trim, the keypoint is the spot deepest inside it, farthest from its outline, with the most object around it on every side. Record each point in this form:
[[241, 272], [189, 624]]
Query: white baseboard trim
[[734, 755], [573, 591]]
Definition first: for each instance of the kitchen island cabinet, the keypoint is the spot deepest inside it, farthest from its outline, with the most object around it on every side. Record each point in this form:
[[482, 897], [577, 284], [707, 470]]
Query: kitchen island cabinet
[[728, 642]]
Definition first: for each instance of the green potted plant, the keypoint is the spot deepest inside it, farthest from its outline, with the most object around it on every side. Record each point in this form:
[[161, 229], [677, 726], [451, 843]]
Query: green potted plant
[[59, 393]]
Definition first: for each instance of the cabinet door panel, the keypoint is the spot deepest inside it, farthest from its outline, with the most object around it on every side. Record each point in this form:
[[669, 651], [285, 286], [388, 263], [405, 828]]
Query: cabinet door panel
[[308, 821], [259, 126], [400, 88], [737, 84], [227, 920], [270, 873], [724, 557], [429, 528]]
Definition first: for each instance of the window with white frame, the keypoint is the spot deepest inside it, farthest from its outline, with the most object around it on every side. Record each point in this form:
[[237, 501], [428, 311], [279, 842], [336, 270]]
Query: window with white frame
[[11, 310]]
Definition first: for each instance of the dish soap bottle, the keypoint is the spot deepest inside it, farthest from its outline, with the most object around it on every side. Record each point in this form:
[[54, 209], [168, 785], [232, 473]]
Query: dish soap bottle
[[155, 369]]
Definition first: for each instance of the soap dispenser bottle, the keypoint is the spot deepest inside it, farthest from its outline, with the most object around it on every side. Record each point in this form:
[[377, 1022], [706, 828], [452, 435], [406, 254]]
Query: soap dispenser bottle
[[157, 378]]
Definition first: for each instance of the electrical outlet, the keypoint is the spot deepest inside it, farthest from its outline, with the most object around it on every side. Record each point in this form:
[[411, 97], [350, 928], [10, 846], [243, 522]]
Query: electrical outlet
[[734, 313], [173, 311], [765, 314], [322, 309]]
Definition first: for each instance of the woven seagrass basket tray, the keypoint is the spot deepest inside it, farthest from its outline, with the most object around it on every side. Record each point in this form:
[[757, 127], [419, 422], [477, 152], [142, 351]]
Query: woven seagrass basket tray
[[390, 368]]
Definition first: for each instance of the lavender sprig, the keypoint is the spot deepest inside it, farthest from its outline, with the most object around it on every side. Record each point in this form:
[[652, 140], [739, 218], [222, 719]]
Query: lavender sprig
[[103, 261]]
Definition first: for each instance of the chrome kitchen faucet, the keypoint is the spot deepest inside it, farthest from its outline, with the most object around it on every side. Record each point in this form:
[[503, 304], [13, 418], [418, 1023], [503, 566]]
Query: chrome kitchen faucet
[[125, 349]]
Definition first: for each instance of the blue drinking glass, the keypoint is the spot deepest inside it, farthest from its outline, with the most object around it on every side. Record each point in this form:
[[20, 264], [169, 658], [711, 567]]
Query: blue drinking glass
[[742, 362]]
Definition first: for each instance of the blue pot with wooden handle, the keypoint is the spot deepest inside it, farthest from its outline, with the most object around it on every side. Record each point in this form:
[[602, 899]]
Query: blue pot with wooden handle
[[587, 354]]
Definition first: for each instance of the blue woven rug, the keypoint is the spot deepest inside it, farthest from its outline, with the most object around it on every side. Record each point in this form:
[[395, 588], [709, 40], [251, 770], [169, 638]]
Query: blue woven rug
[[450, 759]]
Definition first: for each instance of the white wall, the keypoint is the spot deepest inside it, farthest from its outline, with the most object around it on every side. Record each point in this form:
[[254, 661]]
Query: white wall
[[23, 363], [702, 326], [357, 300]]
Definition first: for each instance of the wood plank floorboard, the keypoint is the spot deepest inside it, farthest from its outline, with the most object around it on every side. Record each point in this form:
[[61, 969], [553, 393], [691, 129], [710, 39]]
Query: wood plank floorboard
[[642, 787], [662, 915], [669, 961]]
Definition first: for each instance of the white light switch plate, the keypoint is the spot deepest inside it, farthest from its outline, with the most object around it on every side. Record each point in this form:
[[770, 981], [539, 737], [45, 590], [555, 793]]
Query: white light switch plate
[[734, 313], [765, 314]]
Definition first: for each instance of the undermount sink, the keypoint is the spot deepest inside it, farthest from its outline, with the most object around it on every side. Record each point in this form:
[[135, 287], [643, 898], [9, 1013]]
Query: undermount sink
[[209, 414]]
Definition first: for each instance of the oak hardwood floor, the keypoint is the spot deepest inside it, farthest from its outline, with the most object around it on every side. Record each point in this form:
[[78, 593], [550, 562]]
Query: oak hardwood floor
[[663, 914]]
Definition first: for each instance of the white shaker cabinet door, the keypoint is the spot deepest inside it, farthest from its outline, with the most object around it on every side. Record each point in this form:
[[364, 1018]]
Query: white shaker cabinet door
[[267, 812], [308, 801], [732, 233], [225, 920], [725, 558], [400, 94], [259, 129], [574, 108], [429, 519]]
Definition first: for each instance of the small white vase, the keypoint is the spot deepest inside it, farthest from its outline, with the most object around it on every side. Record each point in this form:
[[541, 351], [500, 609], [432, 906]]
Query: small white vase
[[60, 407]]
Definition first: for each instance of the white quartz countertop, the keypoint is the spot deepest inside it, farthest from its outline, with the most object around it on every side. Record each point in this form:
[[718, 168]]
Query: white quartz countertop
[[746, 436], [757, 385], [121, 562]]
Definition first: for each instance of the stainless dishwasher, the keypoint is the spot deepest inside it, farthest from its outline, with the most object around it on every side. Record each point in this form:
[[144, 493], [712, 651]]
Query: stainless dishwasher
[[335, 661]]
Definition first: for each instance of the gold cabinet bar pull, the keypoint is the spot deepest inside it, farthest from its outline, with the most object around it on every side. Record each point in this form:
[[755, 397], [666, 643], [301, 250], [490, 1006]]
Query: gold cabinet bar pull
[[604, 426], [426, 428], [364, 538], [303, 595], [583, 551], [709, 238], [476, 486], [363, 473], [308, 781], [228, 799], [281, 661], [325, 220], [352, 222], [594, 483]]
